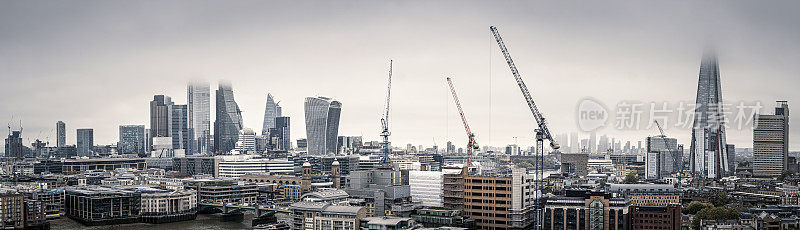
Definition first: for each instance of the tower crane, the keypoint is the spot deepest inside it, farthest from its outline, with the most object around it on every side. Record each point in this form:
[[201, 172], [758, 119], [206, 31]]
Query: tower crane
[[472, 145], [666, 145], [542, 133], [385, 120]]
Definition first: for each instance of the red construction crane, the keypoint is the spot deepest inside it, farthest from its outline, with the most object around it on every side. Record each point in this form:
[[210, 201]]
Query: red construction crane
[[472, 145]]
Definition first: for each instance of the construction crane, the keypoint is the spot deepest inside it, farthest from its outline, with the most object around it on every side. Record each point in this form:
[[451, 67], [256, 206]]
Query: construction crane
[[666, 145], [545, 132], [385, 121], [472, 145], [542, 133]]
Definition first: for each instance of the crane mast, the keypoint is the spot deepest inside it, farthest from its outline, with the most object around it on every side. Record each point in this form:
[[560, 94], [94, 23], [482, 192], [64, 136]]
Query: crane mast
[[666, 145], [385, 120], [542, 133], [545, 132], [472, 145]]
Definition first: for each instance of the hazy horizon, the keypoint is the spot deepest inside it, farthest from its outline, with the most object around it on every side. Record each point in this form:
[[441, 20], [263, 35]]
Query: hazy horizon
[[97, 64]]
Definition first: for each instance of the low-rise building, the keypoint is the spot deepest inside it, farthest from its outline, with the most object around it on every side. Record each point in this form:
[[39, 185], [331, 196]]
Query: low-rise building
[[318, 215], [224, 191], [96, 205], [648, 194], [162, 206], [196, 165], [72, 166], [585, 210], [441, 217], [386, 223], [12, 209], [654, 217]]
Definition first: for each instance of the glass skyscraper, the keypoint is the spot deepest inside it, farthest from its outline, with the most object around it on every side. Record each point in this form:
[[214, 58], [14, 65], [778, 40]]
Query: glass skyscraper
[[199, 109], [708, 149], [270, 113], [228, 120], [85, 142], [322, 124], [180, 128]]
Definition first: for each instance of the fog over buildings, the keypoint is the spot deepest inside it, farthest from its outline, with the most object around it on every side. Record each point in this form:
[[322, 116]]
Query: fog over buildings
[[97, 64]]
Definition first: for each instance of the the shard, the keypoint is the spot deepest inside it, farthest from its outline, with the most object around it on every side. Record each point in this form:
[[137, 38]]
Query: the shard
[[708, 152]]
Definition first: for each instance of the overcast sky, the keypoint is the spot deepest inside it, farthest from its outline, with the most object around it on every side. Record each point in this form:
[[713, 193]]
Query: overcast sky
[[97, 64]]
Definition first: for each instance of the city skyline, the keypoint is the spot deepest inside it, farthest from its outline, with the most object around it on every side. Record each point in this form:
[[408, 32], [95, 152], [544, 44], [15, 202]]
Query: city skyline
[[552, 59]]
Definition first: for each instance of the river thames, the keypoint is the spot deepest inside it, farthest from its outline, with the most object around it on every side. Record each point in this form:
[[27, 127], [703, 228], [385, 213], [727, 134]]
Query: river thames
[[209, 222]]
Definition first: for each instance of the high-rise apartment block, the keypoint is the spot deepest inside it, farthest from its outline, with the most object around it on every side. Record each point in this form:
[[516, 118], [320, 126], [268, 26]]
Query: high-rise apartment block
[[61, 134], [132, 140], [771, 142], [85, 141]]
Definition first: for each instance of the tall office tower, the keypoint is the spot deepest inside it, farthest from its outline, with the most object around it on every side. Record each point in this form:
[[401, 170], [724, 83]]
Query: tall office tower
[[771, 142], [61, 134], [279, 135], [709, 159], [199, 106], [148, 145], [85, 142], [662, 157], [592, 140], [160, 116], [179, 129], [322, 124], [602, 144], [574, 143], [132, 140], [731, 156], [270, 113], [229, 119], [14, 144]]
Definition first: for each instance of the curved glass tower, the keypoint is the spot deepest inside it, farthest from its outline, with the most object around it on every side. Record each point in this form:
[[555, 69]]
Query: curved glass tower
[[322, 124], [229, 120]]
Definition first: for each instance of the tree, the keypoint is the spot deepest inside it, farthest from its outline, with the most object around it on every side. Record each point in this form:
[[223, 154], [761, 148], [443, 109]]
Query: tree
[[696, 206], [631, 179], [722, 199], [714, 213], [785, 174]]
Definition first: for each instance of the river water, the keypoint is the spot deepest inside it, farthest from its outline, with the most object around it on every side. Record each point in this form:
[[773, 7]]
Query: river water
[[203, 222]]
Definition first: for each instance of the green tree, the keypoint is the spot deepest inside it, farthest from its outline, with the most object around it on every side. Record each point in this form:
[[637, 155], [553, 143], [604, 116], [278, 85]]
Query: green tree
[[696, 206], [785, 174], [631, 179], [722, 199], [714, 213]]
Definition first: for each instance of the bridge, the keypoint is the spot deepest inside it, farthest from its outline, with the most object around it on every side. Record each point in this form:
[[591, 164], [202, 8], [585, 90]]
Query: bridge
[[256, 210]]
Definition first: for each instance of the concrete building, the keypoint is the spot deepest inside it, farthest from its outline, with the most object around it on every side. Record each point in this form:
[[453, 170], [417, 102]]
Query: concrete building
[[318, 215], [95, 205], [85, 142], [426, 188], [224, 191], [653, 217], [199, 115], [161, 116], [585, 210], [648, 194], [132, 140], [161, 206], [575, 163], [196, 165], [442, 217], [322, 124], [383, 190], [662, 157], [246, 143], [12, 207], [241, 167], [228, 120], [73, 166], [61, 134], [771, 142], [13, 145], [387, 223], [494, 201]]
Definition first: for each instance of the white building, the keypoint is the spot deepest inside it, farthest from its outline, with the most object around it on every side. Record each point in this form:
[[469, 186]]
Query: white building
[[239, 166], [426, 187], [247, 142]]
